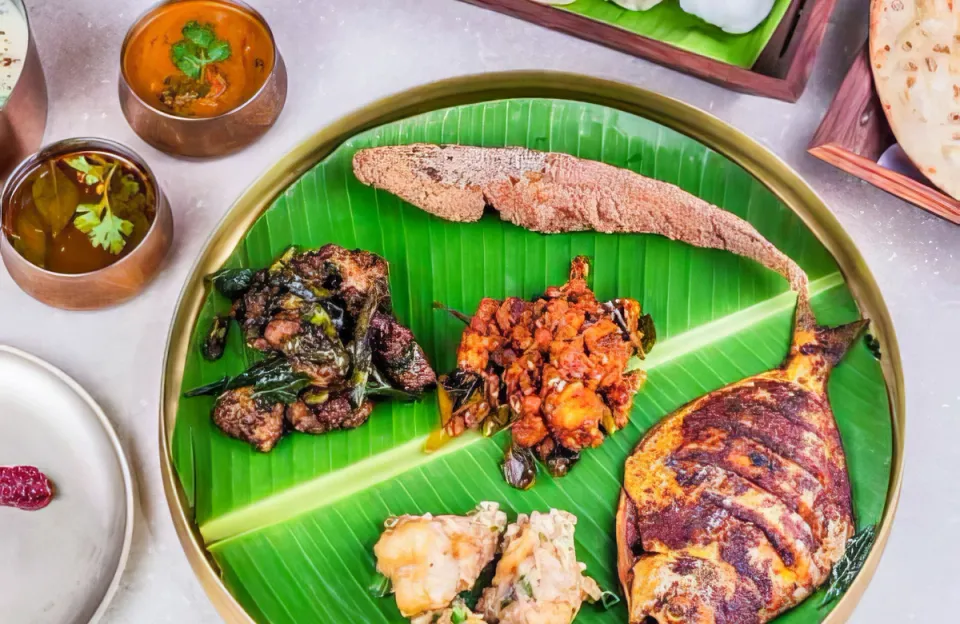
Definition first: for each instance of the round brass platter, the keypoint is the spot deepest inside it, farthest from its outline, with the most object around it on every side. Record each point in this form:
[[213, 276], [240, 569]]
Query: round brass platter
[[747, 153]]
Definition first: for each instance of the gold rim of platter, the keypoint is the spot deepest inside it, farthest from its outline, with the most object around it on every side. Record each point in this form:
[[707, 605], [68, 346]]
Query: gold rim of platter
[[695, 123]]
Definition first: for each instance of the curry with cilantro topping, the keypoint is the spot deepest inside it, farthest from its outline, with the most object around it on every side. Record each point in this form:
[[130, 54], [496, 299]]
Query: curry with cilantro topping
[[198, 58], [79, 212]]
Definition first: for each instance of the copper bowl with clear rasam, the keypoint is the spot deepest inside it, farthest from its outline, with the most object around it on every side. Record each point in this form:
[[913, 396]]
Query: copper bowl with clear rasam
[[23, 91], [201, 78], [85, 224]]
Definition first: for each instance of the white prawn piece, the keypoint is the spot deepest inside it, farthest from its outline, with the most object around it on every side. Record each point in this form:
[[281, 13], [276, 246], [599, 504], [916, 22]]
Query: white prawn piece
[[430, 559], [538, 579]]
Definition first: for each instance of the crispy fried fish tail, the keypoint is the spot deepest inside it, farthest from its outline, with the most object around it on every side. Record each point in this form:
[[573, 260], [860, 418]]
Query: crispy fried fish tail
[[817, 349]]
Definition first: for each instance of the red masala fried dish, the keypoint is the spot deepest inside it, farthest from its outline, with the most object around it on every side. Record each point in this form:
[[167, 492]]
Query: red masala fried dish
[[735, 507], [323, 319], [553, 369]]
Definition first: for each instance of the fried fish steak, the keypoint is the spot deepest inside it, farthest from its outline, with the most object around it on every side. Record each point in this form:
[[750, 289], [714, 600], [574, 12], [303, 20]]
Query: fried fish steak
[[736, 506]]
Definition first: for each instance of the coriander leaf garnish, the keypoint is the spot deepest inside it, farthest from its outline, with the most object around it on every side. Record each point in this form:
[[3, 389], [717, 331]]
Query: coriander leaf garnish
[[184, 55], [219, 50], [99, 223], [93, 174], [846, 569], [198, 48], [202, 35]]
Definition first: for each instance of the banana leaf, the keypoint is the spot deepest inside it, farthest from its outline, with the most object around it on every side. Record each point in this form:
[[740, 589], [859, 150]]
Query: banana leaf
[[667, 22], [292, 531]]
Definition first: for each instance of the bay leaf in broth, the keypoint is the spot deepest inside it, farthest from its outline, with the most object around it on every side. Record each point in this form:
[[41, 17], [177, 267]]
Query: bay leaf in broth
[[56, 197], [30, 239]]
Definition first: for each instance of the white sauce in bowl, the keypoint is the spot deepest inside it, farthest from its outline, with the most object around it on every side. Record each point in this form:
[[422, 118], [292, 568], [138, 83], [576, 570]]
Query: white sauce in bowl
[[13, 47]]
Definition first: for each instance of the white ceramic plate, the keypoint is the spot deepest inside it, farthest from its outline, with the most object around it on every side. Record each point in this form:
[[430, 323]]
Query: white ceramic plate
[[60, 564]]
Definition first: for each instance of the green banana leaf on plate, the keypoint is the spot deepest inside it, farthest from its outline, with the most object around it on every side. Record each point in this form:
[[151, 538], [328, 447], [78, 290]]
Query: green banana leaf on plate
[[668, 23], [292, 531]]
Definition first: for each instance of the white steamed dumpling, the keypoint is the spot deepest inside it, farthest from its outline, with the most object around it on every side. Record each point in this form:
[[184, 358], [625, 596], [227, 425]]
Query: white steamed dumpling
[[637, 5], [733, 16]]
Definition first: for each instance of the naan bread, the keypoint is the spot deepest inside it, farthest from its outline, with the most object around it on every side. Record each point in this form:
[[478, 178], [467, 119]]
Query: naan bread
[[915, 55]]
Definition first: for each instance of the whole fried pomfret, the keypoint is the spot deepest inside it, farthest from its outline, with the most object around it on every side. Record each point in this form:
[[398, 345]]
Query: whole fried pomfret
[[736, 506]]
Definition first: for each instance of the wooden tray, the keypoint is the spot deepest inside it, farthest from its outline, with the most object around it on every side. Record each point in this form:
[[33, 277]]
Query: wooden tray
[[853, 135], [780, 72]]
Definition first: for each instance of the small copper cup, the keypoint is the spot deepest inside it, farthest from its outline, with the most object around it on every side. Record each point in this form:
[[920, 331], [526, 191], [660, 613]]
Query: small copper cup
[[205, 136], [110, 285], [24, 116]]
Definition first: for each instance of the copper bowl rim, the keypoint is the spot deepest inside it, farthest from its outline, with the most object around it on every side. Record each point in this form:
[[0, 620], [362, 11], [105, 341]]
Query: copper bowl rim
[[243, 6], [22, 6], [64, 146]]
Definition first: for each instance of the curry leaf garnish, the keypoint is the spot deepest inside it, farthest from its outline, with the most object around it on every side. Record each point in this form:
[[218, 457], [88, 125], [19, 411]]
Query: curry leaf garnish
[[232, 283], [872, 344], [361, 352], [198, 48], [216, 338], [273, 380], [646, 326], [846, 569]]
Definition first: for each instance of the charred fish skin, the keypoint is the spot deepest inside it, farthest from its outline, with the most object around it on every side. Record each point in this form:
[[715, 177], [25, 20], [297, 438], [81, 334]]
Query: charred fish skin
[[736, 506]]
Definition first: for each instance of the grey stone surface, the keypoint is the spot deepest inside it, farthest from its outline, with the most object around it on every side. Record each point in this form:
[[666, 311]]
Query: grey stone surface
[[345, 53]]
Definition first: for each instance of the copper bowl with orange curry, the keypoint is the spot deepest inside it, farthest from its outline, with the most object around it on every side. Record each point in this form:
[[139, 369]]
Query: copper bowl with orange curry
[[201, 78]]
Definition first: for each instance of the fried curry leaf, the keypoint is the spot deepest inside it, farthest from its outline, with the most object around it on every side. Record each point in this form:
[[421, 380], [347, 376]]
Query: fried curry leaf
[[216, 338], [282, 390], [232, 283], [645, 325], [519, 467], [213, 388], [470, 597], [273, 380], [361, 352], [873, 344], [845, 571], [377, 386], [56, 197]]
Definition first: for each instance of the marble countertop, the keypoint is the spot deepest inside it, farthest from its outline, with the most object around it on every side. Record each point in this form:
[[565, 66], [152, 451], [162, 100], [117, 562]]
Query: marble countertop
[[342, 54]]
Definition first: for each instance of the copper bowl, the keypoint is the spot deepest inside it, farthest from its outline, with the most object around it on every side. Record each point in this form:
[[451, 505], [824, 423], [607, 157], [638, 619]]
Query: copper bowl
[[24, 116], [206, 136], [110, 285]]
